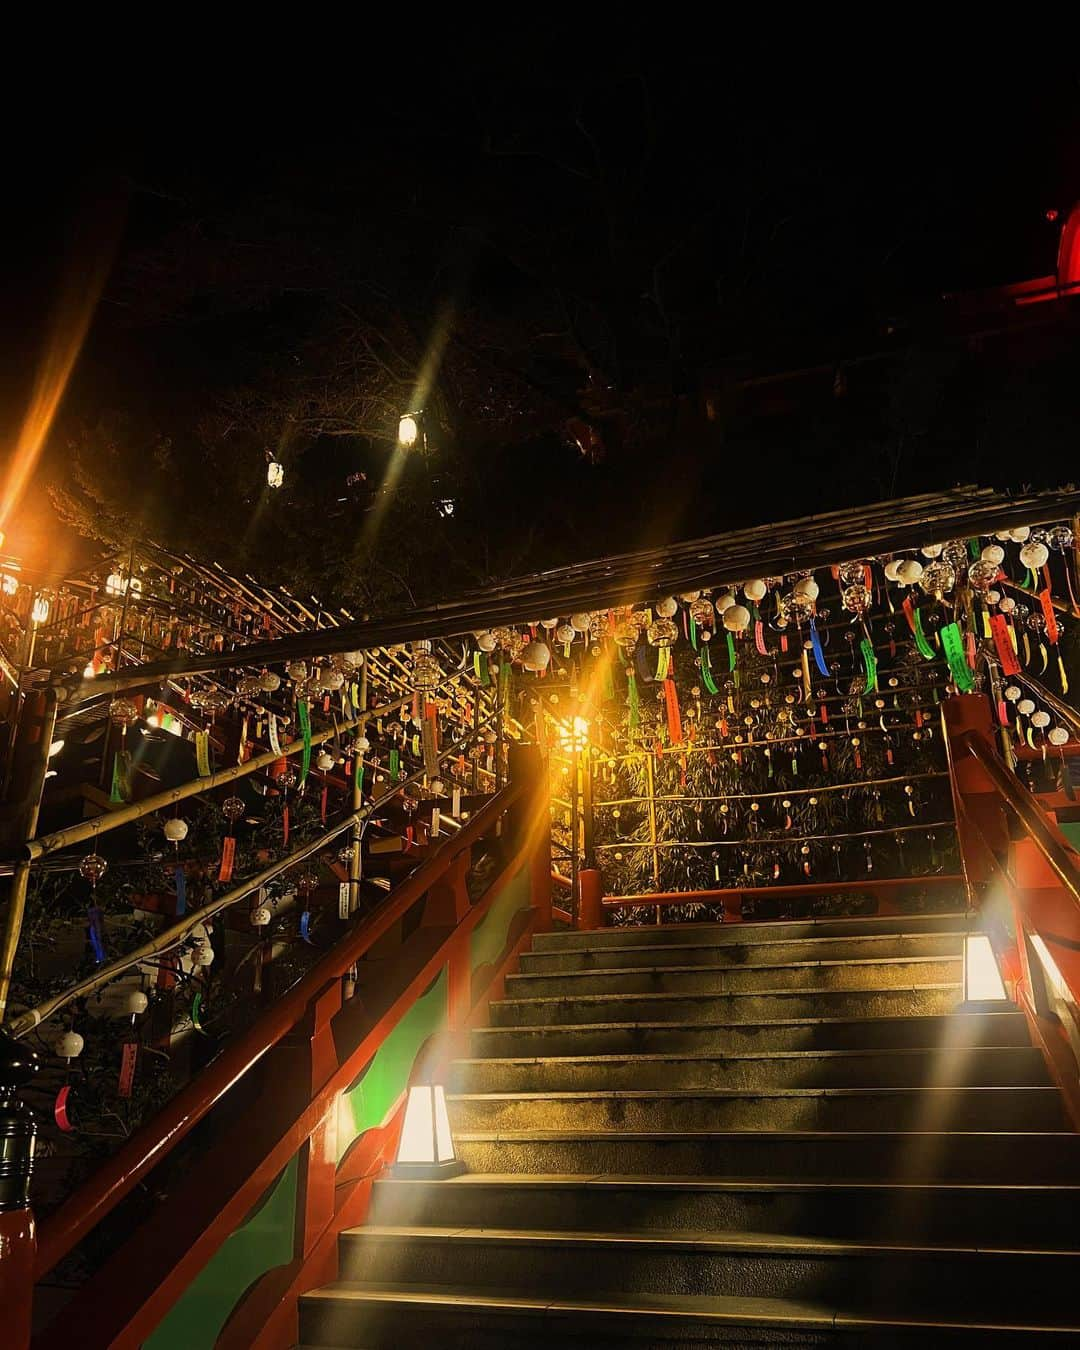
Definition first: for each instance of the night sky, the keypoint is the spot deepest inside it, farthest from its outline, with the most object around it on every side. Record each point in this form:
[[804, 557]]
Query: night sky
[[621, 252]]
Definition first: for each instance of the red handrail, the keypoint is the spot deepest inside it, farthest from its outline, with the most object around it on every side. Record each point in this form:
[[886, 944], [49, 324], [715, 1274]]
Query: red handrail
[[87, 1206]]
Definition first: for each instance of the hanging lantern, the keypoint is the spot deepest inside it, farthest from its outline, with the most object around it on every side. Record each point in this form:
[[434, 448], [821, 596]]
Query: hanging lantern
[[232, 808], [275, 473], [536, 656], [806, 589], [92, 868], [123, 712], [937, 578], [853, 574], [1034, 554], [176, 830], [426, 672], [703, 612], [856, 598], [982, 575], [114, 584], [662, 633], [70, 1045], [40, 611]]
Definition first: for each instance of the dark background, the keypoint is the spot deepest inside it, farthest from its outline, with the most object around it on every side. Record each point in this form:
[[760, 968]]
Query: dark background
[[663, 288]]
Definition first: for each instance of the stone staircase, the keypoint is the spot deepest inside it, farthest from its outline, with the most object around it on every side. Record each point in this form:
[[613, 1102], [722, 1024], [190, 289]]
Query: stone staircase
[[764, 1134]]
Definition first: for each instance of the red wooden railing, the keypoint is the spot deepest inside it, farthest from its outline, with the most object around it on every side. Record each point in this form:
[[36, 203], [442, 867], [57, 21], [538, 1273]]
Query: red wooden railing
[[1023, 878], [270, 1106]]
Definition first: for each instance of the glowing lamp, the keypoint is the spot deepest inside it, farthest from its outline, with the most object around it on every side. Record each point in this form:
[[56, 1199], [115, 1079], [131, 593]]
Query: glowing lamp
[[40, 611], [408, 431], [55, 748], [9, 584], [114, 584], [982, 979], [275, 474], [426, 1147], [574, 735]]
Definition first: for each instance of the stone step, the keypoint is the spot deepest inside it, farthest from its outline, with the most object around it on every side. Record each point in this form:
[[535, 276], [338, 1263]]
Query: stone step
[[383, 1317], [813, 975], [1006, 1066], [661, 1037], [997, 1157], [996, 1108], [784, 930], [727, 1265], [697, 1006], [884, 946], [995, 1215]]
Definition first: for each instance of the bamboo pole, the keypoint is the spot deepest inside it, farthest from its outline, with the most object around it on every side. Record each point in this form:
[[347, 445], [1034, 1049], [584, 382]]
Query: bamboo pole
[[785, 792], [21, 879], [650, 780], [729, 747], [124, 815], [175, 934], [776, 839]]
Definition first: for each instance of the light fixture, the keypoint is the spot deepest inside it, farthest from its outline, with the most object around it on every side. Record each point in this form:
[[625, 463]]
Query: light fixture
[[114, 584], [9, 584], [574, 734], [275, 473], [40, 611], [426, 1147], [408, 431], [55, 748], [982, 979]]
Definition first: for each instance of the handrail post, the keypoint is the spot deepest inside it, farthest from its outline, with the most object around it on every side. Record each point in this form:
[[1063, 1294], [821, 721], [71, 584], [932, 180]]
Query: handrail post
[[18, 1238]]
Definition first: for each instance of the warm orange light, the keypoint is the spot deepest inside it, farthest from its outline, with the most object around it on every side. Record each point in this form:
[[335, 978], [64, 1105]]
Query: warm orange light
[[574, 735], [40, 611]]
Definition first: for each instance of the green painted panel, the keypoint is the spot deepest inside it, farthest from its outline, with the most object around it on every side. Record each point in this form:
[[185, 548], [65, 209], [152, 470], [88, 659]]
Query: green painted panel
[[1071, 830], [488, 939], [370, 1101], [264, 1241]]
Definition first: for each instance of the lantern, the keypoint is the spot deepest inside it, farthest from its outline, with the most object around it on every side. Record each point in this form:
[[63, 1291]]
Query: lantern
[[426, 1147]]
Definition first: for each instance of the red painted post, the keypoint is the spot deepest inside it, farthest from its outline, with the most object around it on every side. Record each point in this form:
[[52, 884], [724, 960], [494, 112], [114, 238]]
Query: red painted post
[[591, 904], [981, 822], [18, 1241]]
